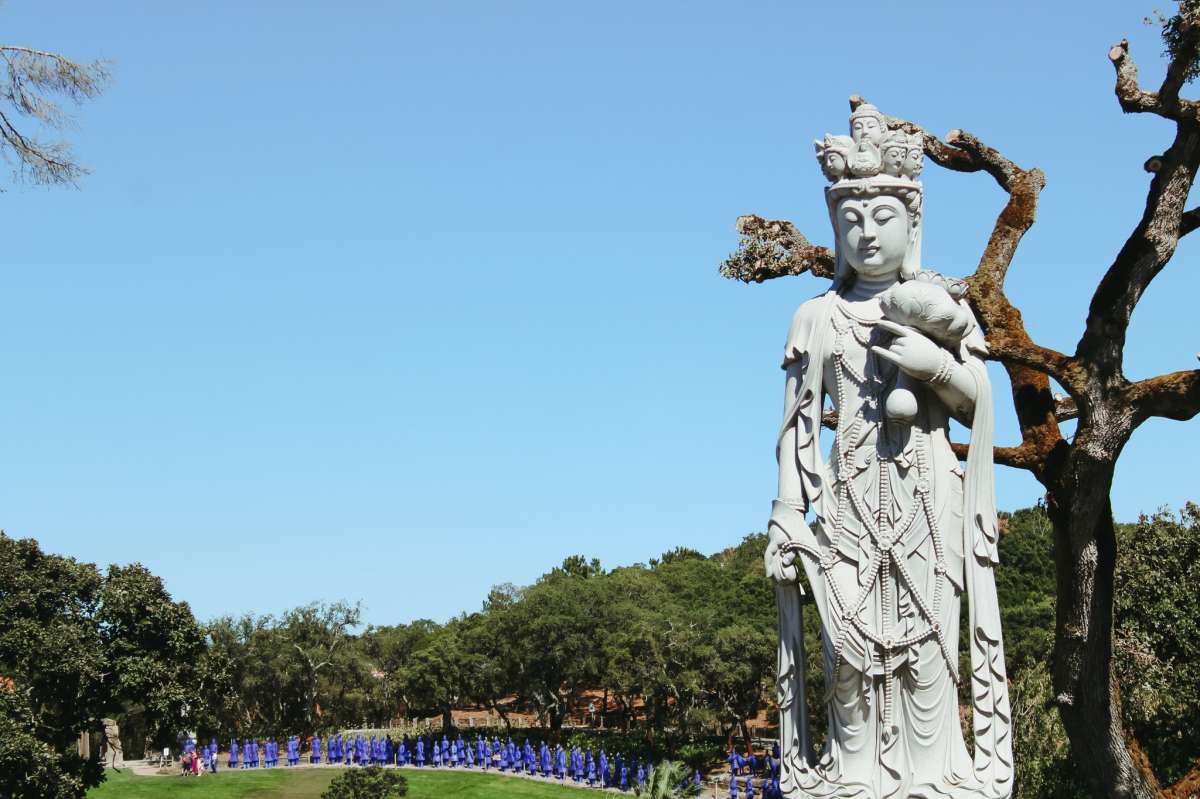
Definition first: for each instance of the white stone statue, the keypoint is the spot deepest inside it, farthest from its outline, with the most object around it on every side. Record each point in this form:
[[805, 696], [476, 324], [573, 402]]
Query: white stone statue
[[889, 530]]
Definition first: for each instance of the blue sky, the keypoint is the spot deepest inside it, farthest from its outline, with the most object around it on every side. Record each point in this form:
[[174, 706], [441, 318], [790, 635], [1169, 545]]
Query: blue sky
[[394, 301]]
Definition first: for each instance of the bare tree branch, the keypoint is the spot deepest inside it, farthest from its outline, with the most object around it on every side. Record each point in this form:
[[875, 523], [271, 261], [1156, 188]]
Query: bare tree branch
[[1136, 100], [27, 76], [1171, 396], [1189, 222], [1147, 250]]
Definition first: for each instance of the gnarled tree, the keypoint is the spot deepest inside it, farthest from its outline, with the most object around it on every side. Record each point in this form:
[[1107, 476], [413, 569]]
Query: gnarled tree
[[1077, 473]]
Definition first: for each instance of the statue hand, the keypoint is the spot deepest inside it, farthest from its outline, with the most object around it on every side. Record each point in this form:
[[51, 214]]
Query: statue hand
[[780, 562], [911, 350]]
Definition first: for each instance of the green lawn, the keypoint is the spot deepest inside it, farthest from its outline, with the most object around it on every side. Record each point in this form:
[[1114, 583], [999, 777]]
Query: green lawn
[[304, 783]]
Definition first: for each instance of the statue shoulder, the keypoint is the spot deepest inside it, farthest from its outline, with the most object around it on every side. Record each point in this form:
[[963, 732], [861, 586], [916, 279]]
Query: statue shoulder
[[811, 315]]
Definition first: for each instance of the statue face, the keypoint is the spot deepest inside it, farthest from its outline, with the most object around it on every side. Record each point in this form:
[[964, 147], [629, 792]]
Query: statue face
[[893, 159], [835, 164], [912, 161], [866, 127], [873, 234]]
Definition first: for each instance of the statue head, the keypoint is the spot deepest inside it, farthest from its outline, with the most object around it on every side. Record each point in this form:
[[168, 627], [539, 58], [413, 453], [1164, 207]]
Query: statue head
[[914, 158], [875, 200], [893, 151], [867, 123], [833, 154]]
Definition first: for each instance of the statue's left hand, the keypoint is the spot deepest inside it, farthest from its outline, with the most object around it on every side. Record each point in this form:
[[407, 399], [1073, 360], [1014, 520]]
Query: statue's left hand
[[911, 350]]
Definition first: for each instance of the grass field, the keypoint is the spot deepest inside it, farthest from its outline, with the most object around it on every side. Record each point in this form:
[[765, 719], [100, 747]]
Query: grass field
[[307, 783]]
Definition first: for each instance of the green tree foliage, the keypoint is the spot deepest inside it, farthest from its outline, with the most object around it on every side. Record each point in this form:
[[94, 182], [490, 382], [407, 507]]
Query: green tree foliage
[[77, 646], [1157, 650], [367, 783], [290, 672]]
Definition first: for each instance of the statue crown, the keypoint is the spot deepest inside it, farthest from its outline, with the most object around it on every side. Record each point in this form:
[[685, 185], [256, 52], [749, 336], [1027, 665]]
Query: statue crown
[[873, 156]]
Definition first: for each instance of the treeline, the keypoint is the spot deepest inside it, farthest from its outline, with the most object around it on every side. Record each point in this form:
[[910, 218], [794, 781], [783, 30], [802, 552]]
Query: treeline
[[685, 642], [681, 645]]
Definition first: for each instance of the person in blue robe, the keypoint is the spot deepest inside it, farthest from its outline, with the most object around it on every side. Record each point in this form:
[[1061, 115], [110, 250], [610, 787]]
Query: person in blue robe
[[437, 754], [776, 790], [603, 769], [577, 764], [402, 754], [504, 758], [479, 758], [470, 756], [314, 756], [753, 760], [591, 770], [697, 779], [641, 776], [750, 788], [624, 778], [619, 762], [454, 754], [420, 752], [560, 762], [461, 747], [233, 753], [733, 786]]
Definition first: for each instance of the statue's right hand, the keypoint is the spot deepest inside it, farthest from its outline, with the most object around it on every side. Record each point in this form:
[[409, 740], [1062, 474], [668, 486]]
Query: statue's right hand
[[780, 561]]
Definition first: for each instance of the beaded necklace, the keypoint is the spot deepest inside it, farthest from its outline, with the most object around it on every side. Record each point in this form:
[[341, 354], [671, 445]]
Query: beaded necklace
[[885, 565]]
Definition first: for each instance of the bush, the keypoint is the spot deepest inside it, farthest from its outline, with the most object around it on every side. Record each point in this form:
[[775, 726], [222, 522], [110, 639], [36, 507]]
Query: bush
[[1040, 748], [367, 783]]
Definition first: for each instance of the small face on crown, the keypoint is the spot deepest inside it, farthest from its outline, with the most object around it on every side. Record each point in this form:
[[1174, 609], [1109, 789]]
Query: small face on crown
[[834, 155], [914, 158], [867, 122], [894, 151]]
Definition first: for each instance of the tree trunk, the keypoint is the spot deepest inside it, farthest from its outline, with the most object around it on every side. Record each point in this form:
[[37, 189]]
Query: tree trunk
[[447, 720], [555, 718], [745, 730], [1085, 557]]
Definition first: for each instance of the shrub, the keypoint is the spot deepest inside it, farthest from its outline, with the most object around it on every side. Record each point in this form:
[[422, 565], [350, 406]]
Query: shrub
[[367, 783]]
